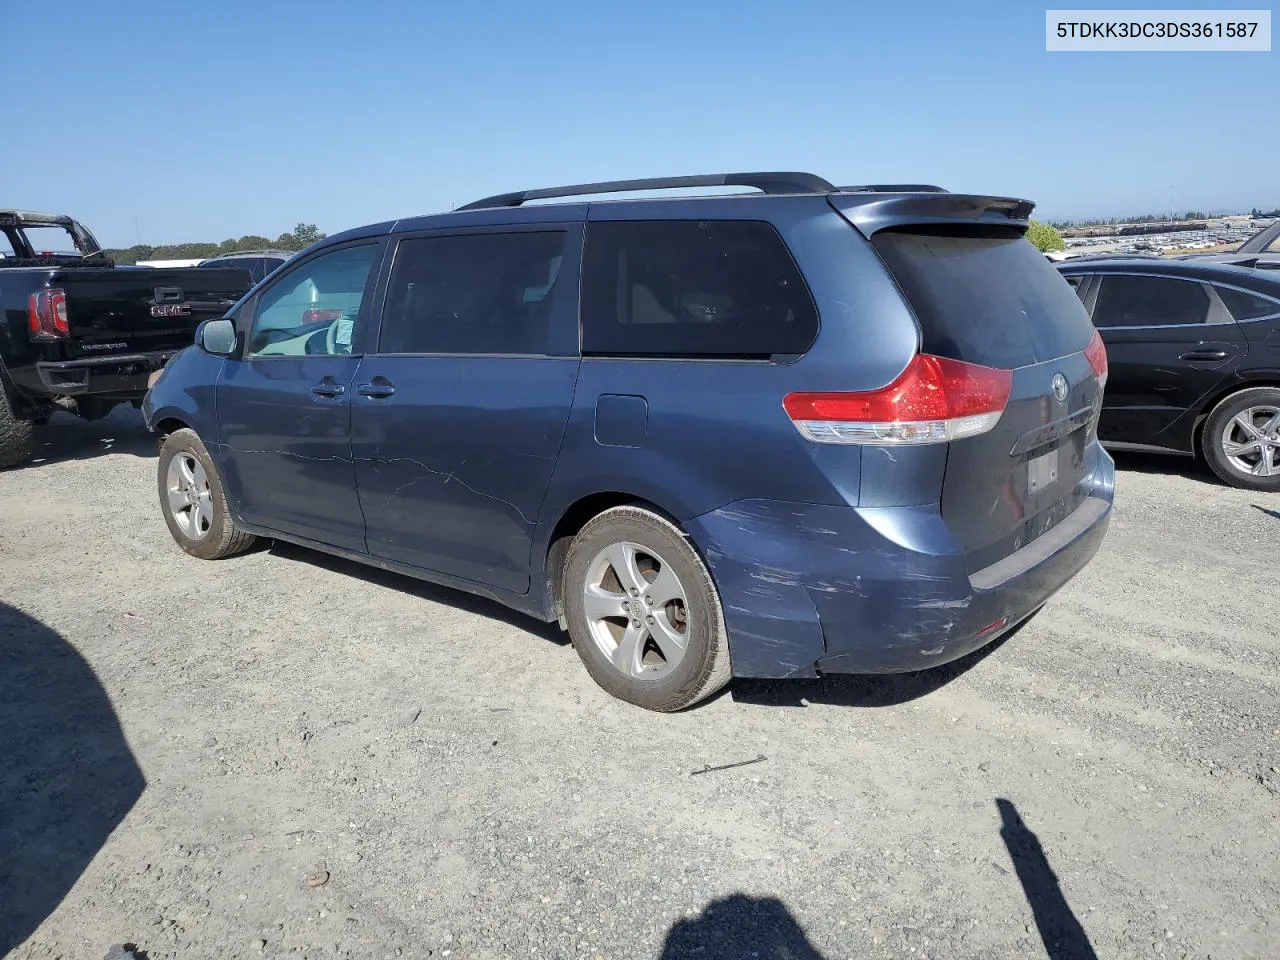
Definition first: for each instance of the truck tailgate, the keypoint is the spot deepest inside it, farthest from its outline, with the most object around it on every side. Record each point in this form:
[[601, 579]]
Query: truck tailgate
[[130, 311]]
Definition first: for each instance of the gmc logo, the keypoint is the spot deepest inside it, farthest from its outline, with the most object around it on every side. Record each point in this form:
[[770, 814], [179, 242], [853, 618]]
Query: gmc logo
[[171, 310]]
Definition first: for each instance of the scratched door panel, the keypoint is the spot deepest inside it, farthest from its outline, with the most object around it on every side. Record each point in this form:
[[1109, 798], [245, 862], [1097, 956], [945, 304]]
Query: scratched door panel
[[285, 449], [452, 467]]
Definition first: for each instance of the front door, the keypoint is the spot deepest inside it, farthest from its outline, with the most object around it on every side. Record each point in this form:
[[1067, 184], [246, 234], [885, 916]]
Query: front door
[[457, 418], [284, 408], [1170, 343]]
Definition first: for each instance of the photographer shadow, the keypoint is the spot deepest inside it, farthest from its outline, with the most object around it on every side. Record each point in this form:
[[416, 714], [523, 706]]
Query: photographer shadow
[[740, 926], [67, 776]]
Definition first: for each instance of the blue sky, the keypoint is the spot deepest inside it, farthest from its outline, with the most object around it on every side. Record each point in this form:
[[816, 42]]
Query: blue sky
[[209, 120]]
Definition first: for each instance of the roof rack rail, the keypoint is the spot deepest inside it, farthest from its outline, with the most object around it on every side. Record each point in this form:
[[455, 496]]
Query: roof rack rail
[[783, 182], [895, 188], [265, 251]]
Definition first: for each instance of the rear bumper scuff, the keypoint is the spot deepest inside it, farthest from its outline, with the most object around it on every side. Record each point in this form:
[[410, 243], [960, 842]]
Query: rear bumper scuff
[[810, 588]]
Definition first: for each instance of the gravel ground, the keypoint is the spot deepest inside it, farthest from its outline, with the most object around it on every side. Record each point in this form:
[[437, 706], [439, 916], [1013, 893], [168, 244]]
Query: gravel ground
[[286, 755]]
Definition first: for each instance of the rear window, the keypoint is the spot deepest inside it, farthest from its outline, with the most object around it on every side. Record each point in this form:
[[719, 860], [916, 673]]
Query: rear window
[[1142, 301], [51, 239], [985, 297], [693, 288]]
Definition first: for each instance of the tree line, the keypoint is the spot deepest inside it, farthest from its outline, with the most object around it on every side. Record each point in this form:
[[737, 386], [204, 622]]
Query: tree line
[[300, 237]]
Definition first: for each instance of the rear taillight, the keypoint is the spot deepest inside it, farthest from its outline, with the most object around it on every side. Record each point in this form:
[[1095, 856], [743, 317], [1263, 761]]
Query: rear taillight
[[47, 315], [933, 401], [1096, 352], [318, 315]]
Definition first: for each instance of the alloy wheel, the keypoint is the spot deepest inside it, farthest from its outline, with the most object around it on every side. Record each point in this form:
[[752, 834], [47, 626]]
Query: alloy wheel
[[1251, 441], [190, 501], [637, 610]]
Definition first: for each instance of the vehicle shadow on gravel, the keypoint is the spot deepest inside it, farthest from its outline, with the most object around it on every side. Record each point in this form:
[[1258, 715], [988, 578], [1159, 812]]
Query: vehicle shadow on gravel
[[66, 437], [1167, 465], [1063, 936], [864, 690], [740, 926], [433, 593], [67, 777]]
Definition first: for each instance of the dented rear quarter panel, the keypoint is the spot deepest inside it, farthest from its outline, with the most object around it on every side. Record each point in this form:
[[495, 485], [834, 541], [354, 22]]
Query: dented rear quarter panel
[[799, 581], [812, 588]]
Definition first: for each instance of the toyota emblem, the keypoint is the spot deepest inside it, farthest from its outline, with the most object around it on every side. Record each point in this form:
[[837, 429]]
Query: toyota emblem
[[1060, 387]]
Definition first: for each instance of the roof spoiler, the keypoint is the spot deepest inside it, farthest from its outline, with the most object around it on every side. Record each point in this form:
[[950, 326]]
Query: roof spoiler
[[872, 212]]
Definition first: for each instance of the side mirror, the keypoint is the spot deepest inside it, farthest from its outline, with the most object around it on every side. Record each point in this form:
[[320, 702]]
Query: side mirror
[[217, 337]]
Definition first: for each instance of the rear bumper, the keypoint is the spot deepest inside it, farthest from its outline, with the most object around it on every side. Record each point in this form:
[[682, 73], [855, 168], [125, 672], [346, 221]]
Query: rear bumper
[[809, 589], [122, 376]]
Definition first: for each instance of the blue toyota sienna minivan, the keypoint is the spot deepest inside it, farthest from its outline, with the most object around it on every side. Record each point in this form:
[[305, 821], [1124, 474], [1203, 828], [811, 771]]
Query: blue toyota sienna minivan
[[782, 433]]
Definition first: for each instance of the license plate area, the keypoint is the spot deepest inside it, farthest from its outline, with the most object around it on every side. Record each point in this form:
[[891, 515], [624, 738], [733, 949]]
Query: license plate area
[[1042, 471]]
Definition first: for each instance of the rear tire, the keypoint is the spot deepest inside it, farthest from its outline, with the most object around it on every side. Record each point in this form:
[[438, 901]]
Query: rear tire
[[193, 500], [643, 612], [15, 434], [1241, 436]]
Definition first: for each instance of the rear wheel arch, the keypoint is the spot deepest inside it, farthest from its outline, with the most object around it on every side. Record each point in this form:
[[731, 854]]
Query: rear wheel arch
[[643, 612], [1234, 467], [571, 520], [1270, 378]]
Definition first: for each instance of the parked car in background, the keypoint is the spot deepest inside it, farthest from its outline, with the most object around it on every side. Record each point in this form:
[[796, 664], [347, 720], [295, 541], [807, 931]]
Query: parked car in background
[[1194, 353], [80, 335], [807, 430], [1262, 250], [259, 263]]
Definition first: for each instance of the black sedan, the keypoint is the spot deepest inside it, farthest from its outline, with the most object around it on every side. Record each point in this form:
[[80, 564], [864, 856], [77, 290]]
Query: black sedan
[[1194, 355]]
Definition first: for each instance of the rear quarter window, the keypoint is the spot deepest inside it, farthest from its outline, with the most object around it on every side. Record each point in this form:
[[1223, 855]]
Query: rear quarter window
[[985, 296], [693, 288], [1247, 306]]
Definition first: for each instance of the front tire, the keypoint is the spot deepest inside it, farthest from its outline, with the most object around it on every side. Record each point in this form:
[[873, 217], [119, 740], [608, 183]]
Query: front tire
[[1241, 439], [643, 612], [15, 434], [193, 500]]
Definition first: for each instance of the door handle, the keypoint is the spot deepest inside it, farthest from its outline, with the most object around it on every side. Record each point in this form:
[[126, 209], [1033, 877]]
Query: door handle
[[328, 388], [377, 388], [1204, 355]]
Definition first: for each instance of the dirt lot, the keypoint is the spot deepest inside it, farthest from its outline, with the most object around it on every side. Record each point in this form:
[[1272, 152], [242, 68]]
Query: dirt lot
[[286, 755]]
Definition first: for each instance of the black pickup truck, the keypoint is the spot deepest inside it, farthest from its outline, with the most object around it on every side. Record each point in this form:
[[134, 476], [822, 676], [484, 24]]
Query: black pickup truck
[[78, 333]]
